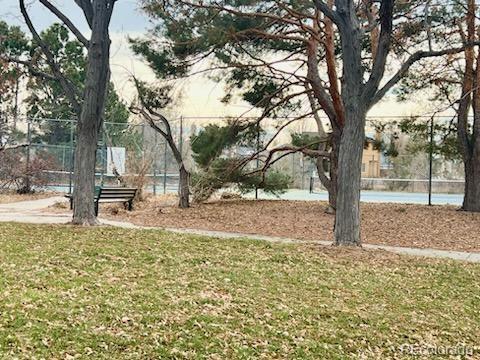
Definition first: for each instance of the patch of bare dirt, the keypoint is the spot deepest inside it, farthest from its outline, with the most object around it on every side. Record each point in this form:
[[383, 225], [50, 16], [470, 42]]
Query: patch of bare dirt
[[440, 227]]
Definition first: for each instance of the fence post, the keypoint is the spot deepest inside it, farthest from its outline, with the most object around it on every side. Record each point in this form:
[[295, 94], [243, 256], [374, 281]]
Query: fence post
[[302, 160], [258, 157], [104, 153], [72, 157], [155, 151], [63, 158], [180, 146], [165, 168], [29, 141], [430, 170], [293, 170]]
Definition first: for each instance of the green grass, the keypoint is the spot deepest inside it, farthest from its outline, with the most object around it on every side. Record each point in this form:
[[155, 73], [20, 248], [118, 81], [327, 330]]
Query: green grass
[[109, 293]]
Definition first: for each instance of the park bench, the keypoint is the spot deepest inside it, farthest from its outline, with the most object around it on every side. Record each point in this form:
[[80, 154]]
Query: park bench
[[111, 195]]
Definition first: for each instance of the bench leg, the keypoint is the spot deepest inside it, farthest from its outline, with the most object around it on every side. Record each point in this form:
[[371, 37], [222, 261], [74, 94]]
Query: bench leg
[[71, 203], [130, 205], [96, 208]]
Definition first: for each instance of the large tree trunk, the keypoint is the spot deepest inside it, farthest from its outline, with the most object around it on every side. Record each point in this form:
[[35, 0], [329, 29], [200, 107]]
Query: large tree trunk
[[184, 175], [347, 219], [84, 172], [184, 188], [469, 143], [471, 200], [90, 121], [347, 216]]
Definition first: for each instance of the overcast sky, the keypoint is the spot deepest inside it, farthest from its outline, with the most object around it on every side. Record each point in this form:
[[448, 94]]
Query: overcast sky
[[200, 96]]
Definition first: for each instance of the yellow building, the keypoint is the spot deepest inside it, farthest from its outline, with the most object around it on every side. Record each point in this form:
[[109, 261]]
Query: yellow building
[[370, 160]]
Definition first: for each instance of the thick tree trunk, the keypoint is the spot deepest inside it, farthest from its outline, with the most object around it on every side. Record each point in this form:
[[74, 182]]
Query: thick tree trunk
[[184, 175], [469, 143], [347, 216], [84, 172], [91, 117], [184, 188], [347, 219], [471, 199]]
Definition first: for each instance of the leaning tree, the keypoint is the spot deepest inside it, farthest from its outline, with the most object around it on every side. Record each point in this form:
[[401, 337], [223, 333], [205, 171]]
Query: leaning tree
[[88, 103], [362, 39], [150, 103], [260, 60]]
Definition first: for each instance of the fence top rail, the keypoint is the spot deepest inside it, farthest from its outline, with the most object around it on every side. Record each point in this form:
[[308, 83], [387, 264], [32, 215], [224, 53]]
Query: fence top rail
[[190, 117], [29, 120], [407, 180]]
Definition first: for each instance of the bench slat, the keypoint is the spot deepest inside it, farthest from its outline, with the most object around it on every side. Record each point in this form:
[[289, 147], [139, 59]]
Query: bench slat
[[117, 189], [115, 197], [117, 192], [103, 200]]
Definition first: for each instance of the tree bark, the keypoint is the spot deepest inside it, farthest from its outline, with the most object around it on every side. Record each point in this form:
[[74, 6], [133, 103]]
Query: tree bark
[[91, 117], [184, 188], [469, 143], [330, 108], [333, 170], [184, 174], [330, 183], [347, 219], [471, 200], [347, 216]]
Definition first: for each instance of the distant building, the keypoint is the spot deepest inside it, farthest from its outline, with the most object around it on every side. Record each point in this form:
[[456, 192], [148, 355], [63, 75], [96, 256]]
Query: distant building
[[371, 159]]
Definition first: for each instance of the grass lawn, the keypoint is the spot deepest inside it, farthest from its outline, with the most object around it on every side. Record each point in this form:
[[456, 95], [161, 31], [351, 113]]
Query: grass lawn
[[109, 293]]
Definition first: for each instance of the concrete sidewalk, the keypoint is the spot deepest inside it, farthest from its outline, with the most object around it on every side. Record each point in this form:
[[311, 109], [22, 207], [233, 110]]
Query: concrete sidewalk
[[433, 253], [36, 212], [33, 211]]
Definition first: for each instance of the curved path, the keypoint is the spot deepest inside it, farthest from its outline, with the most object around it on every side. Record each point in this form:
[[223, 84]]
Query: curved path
[[36, 212]]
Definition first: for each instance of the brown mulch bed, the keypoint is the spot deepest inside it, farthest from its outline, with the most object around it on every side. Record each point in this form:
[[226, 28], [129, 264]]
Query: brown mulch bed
[[11, 196], [440, 227]]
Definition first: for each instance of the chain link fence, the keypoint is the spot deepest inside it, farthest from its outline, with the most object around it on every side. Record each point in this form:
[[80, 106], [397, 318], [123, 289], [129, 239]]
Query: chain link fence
[[394, 160]]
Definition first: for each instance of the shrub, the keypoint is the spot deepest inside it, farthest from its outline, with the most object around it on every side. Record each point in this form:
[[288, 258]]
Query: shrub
[[14, 173]]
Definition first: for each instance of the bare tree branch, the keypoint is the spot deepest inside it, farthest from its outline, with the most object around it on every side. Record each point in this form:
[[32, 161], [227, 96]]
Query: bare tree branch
[[12, 147], [328, 12], [288, 149], [383, 49], [66, 21], [68, 87], [321, 94], [87, 9], [30, 67], [329, 46], [419, 55]]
